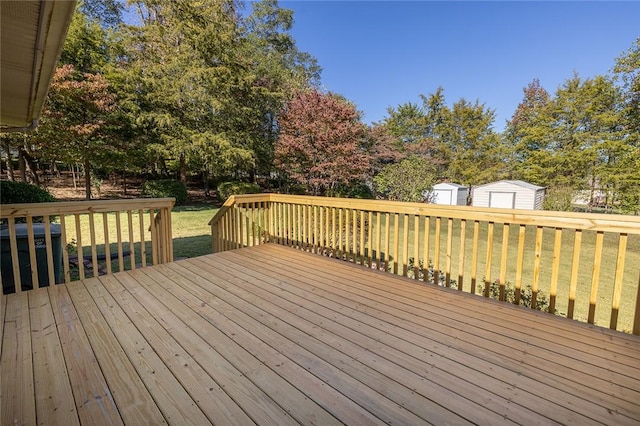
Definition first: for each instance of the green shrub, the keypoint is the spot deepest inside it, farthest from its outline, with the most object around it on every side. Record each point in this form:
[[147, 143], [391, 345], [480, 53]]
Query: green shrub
[[430, 271], [526, 295], [164, 189], [227, 189], [21, 192], [558, 199], [354, 190]]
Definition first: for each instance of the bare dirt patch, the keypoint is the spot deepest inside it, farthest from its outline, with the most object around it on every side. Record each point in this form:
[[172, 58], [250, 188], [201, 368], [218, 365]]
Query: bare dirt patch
[[63, 189]]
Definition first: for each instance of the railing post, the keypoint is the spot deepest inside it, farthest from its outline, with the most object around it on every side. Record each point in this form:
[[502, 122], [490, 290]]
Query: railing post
[[636, 319]]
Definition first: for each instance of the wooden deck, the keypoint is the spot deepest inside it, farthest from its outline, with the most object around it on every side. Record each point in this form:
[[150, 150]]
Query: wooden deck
[[271, 335]]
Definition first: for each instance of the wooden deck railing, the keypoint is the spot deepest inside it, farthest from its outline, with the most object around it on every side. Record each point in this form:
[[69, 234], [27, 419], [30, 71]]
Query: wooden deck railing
[[90, 238], [583, 266]]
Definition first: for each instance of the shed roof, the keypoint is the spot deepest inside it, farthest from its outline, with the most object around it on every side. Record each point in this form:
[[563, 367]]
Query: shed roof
[[515, 182], [449, 184]]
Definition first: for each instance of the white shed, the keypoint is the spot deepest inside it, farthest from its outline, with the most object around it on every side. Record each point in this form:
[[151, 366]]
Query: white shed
[[450, 194], [509, 194]]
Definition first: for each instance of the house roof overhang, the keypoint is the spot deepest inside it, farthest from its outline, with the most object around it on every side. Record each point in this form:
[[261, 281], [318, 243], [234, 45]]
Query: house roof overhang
[[32, 34]]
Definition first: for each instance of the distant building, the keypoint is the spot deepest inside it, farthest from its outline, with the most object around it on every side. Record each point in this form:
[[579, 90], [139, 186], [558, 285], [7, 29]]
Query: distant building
[[509, 194], [451, 194]]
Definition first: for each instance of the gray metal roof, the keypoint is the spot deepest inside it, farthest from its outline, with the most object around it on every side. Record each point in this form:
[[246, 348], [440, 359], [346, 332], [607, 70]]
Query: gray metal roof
[[455, 185], [516, 182]]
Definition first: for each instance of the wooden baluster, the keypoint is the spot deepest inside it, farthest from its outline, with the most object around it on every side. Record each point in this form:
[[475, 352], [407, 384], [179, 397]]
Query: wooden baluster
[[255, 224], [13, 243], [595, 278], [169, 233], [575, 264], [436, 254], [416, 246], [65, 254], [387, 241], [347, 235], [487, 265], [333, 232], [340, 233], [33, 263], [355, 235], [154, 236], [555, 269], [503, 261], [94, 251], [360, 226], [248, 227], [299, 224], [312, 229], [107, 248], [519, 264], [396, 242], [636, 315], [143, 242], [378, 239], [119, 240], [617, 286], [321, 237], [80, 248], [425, 261], [49, 245], [132, 244], [222, 231], [447, 266], [405, 245], [307, 227], [370, 240], [474, 256], [463, 241], [536, 267]]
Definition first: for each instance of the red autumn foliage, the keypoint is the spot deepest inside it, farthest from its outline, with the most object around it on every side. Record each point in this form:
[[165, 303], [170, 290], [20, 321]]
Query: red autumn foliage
[[321, 143]]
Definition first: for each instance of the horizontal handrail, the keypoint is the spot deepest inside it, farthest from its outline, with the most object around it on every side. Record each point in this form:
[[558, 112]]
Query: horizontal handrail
[[552, 219], [570, 258], [75, 239]]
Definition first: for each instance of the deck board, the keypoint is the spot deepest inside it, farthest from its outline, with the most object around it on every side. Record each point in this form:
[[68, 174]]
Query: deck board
[[492, 347], [271, 335], [622, 360], [465, 372]]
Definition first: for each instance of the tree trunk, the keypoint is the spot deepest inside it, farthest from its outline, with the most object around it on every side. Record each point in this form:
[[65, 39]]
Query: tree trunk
[[22, 166], [73, 175], [87, 178], [29, 167], [10, 171], [183, 169], [205, 177]]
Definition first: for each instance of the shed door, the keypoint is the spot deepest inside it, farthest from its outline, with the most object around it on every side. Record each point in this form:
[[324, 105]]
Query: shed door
[[502, 200], [443, 196]]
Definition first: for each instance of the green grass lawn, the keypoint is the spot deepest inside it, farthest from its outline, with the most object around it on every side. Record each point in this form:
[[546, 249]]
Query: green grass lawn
[[190, 229]]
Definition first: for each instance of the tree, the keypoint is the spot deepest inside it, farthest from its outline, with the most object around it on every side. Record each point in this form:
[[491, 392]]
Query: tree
[[585, 133], [321, 142], [78, 121], [382, 147], [475, 150], [526, 135], [409, 180], [207, 82], [626, 177]]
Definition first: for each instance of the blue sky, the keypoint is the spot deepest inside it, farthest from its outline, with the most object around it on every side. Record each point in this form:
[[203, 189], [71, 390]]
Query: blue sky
[[385, 53]]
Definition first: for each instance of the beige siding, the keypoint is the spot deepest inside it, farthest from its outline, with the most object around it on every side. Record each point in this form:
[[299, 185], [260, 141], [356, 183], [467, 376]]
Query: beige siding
[[525, 198]]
